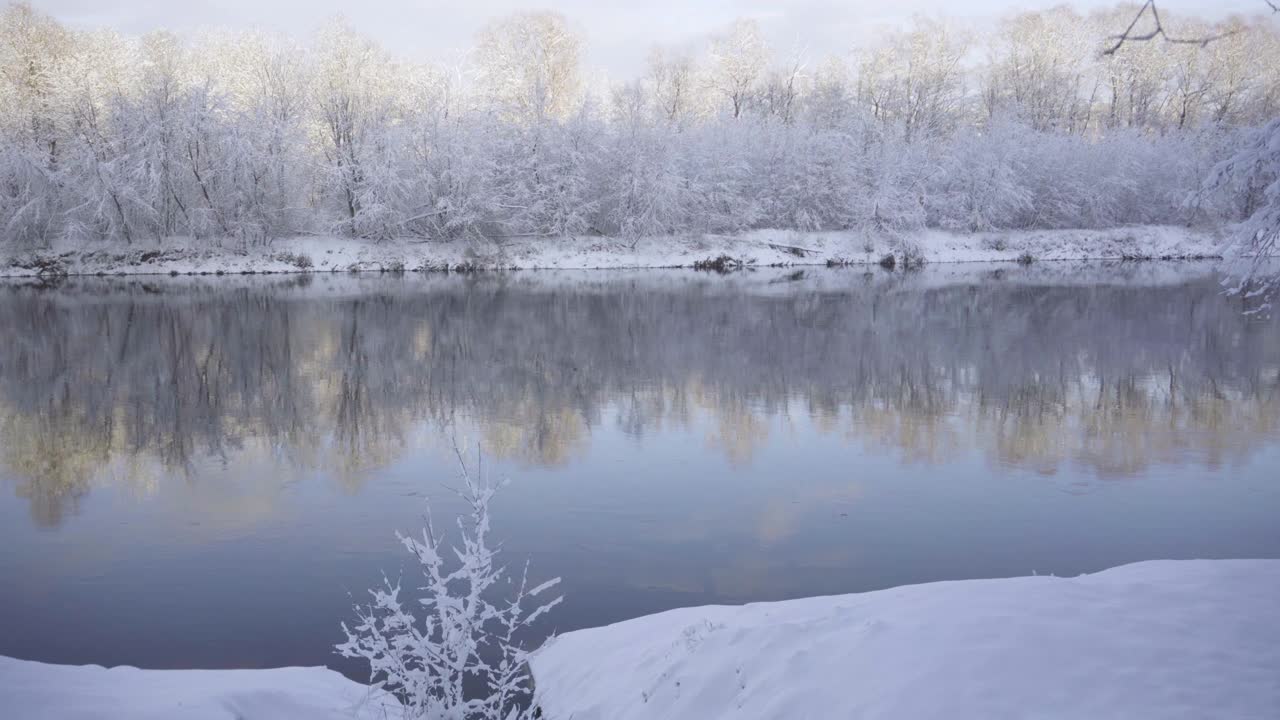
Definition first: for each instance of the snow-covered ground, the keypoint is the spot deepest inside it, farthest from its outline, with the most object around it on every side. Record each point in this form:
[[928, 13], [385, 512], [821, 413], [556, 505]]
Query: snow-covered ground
[[1161, 640], [761, 247], [37, 691]]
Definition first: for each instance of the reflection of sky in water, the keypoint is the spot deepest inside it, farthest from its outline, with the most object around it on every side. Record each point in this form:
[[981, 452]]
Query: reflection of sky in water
[[199, 478]]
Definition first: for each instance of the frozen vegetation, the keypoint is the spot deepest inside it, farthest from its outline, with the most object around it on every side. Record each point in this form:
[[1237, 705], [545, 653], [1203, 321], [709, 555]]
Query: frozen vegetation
[[453, 653], [241, 152]]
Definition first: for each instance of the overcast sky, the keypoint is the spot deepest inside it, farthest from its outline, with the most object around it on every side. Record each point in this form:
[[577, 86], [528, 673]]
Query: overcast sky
[[618, 33]]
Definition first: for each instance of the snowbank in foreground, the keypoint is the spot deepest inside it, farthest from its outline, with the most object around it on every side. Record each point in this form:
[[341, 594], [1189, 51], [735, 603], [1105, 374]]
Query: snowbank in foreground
[[37, 691], [760, 247], [1166, 640], [1162, 640]]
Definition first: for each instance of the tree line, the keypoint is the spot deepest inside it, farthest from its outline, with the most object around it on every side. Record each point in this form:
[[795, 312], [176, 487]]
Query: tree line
[[243, 137]]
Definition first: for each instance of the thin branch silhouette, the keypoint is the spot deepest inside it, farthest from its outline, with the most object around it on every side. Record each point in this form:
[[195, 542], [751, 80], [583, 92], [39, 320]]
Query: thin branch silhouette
[[1158, 31]]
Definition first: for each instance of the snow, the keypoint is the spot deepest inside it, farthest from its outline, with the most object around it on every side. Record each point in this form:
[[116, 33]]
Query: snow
[[1163, 639], [759, 247], [37, 691]]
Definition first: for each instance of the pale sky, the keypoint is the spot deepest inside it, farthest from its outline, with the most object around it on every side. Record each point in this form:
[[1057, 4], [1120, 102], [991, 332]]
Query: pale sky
[[619, 34]]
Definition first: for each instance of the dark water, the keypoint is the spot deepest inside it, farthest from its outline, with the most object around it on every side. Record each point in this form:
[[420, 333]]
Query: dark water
[[203, 474]]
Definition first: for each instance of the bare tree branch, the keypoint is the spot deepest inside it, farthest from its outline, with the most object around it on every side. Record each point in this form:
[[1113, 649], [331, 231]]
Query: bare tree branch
[[1158, 31]]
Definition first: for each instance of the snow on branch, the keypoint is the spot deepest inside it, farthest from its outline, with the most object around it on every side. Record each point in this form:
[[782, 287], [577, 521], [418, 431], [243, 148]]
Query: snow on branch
[[453, 650], [1252, 173]]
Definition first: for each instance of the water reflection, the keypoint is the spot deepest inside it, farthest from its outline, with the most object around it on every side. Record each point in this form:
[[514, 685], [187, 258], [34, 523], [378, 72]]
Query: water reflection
[[142, 383]]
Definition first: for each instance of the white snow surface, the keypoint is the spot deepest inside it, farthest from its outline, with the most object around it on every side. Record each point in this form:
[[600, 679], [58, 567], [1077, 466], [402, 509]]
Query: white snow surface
[[38, 691], [758, 247], [1161, 640]]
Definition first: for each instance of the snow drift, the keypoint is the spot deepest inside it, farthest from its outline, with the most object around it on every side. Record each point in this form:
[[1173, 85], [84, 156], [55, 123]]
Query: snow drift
[[37, 691], [1165, 639]]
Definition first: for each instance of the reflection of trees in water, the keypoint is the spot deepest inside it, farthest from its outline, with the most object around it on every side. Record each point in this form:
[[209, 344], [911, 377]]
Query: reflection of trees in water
[[54, 462], [1121, 427], [739, 426], [1111, 377]]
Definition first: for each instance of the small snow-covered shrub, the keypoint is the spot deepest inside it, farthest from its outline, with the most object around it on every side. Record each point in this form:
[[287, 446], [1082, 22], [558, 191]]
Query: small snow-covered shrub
[[912, 258], [721, 264], [452, 653], [302, 261]]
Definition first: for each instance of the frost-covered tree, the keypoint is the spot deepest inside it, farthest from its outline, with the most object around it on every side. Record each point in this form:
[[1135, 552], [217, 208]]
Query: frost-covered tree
[[353, 79], [1041, 69], [985, 180], [453, 650], [644, 191], [265, 82], [671, 82], [739, 57], [528, 65], [829, 105], [1253, 175], [34, 51], [913, 80], [779, 98], [450, 163]]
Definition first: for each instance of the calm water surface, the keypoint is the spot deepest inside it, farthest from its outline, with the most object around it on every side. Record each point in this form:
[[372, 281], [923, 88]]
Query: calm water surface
[[204, 474]]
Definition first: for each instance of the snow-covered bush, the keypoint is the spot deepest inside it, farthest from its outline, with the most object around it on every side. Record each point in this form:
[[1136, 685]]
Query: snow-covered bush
[[982, 185], [29, 213], [718, 173], [452, 652], [890, 193], [1253, 175], [644, 192]]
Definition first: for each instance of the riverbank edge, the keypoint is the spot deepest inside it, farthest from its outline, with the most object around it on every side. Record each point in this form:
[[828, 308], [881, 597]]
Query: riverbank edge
[[721, 253], [1165, 638]]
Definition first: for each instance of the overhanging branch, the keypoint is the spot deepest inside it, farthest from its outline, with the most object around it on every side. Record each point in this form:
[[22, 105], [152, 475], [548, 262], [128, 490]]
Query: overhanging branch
[[1158, 31]]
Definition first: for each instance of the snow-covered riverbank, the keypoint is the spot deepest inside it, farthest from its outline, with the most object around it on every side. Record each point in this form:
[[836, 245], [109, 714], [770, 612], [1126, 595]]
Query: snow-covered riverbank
[[1167, 639], [37, 691], [1164, 639], [763, 247]]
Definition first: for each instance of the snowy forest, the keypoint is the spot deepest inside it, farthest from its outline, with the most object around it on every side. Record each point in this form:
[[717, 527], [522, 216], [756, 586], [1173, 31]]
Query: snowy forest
[[239, 138]]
